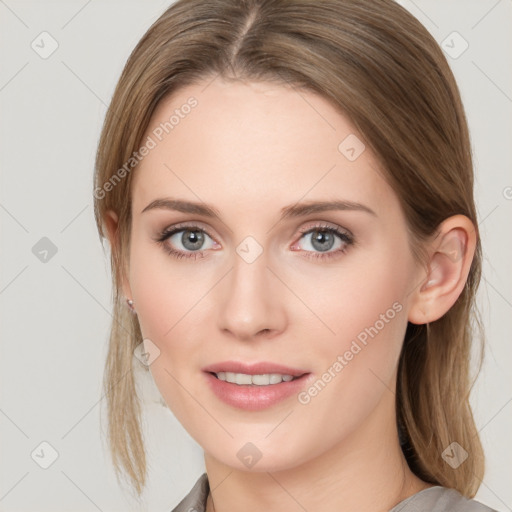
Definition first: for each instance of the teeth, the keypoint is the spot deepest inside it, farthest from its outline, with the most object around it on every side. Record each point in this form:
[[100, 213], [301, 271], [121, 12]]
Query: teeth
[[258, 380]]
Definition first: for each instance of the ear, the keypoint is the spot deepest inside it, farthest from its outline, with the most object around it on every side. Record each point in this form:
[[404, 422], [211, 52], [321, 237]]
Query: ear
[[111, 223], [450, 256]]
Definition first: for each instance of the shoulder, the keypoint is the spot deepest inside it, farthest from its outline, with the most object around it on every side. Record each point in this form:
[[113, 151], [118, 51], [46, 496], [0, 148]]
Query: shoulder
[[433, 499], [440, 499], [195, 500]]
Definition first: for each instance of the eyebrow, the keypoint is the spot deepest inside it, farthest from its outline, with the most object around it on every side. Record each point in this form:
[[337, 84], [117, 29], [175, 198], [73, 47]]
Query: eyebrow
[[296, 210]]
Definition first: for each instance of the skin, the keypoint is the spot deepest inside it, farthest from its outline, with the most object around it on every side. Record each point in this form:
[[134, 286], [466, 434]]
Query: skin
[[250, 149]]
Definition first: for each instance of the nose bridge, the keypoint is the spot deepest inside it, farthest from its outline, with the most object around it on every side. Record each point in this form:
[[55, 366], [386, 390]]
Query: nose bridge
[[249, 302]]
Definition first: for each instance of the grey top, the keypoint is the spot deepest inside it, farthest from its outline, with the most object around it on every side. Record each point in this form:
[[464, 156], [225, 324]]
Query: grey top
[[433, 499]]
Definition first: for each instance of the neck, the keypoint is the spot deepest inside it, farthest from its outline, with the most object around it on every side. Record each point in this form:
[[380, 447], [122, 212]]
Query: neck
[[366, 471]]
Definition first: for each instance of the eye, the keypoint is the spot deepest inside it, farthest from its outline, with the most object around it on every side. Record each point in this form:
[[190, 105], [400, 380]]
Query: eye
[[186, 241], [324, 238]]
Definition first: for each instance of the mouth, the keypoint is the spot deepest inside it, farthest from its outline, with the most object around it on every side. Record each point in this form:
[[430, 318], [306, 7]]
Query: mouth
[[254, 391], [261, 373], [263, 379]]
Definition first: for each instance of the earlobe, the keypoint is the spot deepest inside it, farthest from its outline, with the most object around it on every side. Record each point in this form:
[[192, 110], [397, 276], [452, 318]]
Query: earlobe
[[451, 255]]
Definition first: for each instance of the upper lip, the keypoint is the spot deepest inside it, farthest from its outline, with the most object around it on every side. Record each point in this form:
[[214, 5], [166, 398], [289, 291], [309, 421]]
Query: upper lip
[[258, 368]]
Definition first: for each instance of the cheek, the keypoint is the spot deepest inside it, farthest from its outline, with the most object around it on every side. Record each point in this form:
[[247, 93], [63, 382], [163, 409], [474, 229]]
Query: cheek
[[163, 289], [367, 291], [172, 308], [169, 310], [355, 367], [364, 307]]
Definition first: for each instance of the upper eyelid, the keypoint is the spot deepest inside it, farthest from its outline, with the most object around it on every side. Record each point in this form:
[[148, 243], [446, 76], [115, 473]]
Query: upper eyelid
[[326, 225], [185, 225], [313, 225]]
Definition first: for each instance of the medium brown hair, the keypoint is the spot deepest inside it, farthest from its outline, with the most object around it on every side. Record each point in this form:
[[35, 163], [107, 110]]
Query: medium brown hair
[[382, 69]]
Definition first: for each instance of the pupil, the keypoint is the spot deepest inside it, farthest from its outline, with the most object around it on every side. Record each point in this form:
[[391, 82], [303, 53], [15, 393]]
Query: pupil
[[193, 240], [322, 240]]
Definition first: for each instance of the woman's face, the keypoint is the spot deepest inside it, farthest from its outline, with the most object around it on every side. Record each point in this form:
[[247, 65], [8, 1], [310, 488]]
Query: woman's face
[[254, 272]]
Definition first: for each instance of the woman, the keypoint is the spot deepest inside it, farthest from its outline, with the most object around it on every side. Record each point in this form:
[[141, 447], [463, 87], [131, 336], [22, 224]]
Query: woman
[[287, 188]]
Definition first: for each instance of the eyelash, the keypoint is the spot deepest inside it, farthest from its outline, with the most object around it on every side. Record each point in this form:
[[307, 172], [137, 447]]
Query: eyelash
[[168, 232]]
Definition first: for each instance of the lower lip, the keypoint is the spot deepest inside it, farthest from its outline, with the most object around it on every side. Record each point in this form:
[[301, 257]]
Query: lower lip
[[251, 397]]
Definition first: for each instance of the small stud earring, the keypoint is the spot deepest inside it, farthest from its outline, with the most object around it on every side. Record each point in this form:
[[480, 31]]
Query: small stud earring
[[130, 305]]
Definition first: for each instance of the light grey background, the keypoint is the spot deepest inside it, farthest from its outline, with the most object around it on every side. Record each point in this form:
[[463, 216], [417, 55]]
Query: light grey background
[[56, 314]]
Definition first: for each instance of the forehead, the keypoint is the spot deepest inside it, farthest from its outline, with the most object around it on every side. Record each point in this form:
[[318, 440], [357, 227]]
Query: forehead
[[247, 143]]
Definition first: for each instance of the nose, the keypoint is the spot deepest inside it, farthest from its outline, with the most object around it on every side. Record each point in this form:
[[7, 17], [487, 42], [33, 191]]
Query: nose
[[250, 301]]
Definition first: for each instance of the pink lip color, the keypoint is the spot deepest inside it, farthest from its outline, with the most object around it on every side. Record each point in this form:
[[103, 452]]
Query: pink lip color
[[253, 369], [252, 397]]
